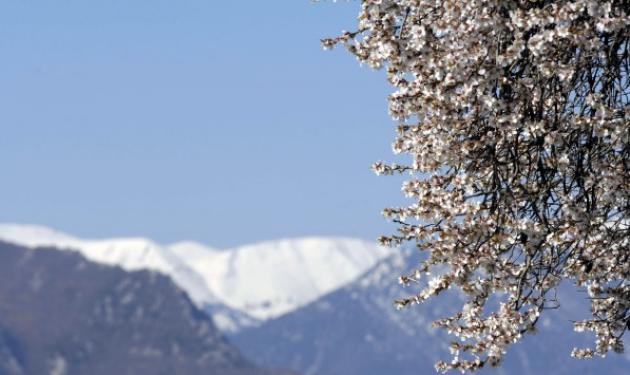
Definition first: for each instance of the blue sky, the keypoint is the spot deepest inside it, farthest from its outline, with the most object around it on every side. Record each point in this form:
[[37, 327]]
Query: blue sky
[[218, 121]]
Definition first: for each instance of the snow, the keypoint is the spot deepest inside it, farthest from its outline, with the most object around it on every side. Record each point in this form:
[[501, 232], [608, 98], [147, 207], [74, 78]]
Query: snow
[[128, 253], [263, 281], [34, 235], [225, 322], [289, 274], [58, 366], [191, 250], [269, 279]]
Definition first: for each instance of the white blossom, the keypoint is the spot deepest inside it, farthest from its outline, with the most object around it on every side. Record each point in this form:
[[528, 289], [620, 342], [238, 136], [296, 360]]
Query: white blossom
[[515, 116]]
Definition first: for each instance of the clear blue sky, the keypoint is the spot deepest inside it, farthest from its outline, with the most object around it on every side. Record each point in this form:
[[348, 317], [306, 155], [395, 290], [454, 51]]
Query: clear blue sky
[[218, 121]]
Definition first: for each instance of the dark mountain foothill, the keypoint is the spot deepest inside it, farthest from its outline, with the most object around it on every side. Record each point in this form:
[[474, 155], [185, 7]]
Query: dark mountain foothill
[[61, 315]]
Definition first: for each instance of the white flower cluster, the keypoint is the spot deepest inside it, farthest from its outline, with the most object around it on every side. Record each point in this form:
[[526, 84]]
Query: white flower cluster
[[516, 118]]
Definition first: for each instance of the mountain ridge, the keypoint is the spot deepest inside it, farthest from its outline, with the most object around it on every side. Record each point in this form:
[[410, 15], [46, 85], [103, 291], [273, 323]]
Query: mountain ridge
[[257, 281], [63, 314], [354, 328], [357, 330]]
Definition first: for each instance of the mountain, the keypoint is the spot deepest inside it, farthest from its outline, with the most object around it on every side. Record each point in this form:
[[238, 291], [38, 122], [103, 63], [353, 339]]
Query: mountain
[[324, 305], [61, 314], [128, 253], [240, 287], [356, 330], [270, 279]]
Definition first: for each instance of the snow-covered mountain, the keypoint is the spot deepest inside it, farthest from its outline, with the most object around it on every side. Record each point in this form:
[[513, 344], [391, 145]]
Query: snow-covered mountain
[[270, 279], [64, 315], [324, 305], [131, 254], [250, 284]]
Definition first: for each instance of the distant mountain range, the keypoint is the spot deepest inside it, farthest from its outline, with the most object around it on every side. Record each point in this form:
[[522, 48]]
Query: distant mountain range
[[241, 286], [324, 305], [63, 315], [356, 330]]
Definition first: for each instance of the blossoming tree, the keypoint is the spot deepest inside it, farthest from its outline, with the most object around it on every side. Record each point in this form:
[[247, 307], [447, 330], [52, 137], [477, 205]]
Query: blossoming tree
[[515, 115]]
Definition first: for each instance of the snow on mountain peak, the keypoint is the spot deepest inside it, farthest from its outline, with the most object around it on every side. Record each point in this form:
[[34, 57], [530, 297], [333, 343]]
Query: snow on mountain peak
[[128, 253], [34, 235], [272, 278], [191, 249], [263, 280]]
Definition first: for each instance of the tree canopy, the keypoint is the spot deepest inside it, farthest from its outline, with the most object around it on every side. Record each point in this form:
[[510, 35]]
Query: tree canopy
[[515, 116]]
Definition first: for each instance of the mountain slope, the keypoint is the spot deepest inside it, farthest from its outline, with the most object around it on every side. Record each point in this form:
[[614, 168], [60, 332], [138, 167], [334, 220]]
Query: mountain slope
[[241, 286], [323, 306], [356, 330], [269, 279], [128, 253], [61, 314]]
